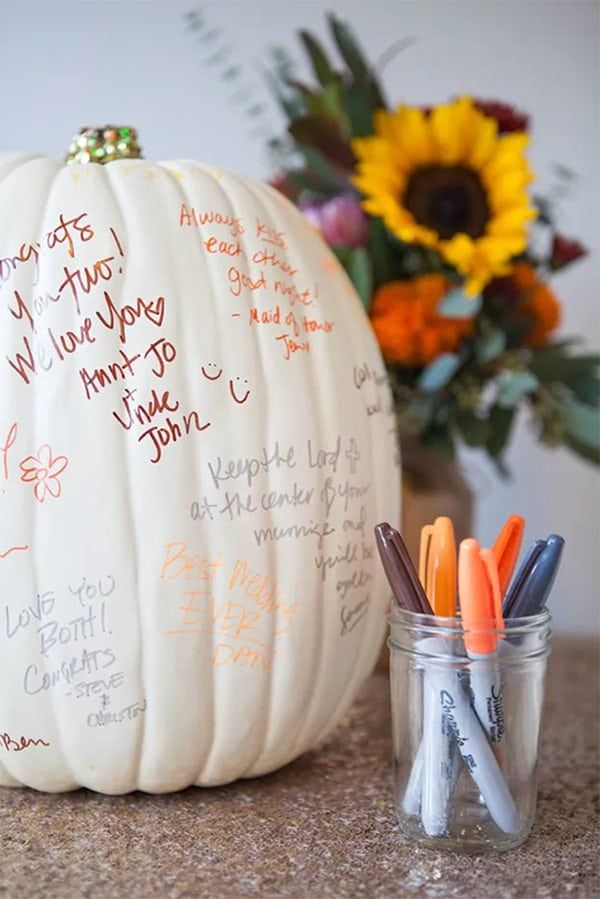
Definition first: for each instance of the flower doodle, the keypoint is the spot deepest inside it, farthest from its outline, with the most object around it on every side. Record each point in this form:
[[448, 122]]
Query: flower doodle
[[43, 471]]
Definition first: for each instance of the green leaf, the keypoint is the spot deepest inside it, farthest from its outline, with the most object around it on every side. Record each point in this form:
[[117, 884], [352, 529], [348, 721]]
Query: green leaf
[[590, 453], [320, 62], [358, 266], [348, 47], [331, 179], [512, 387], [456, 304], [474, 430], [438, 373], [552, 364], [439, 439], [325, 135], [358, 108], [355, 60], [500, 422], [587, 390], [291, 105], [490, 345], [379, 251], [582, 422]]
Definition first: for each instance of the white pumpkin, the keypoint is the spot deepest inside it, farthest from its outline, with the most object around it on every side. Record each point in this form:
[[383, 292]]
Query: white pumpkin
[[196, 441]]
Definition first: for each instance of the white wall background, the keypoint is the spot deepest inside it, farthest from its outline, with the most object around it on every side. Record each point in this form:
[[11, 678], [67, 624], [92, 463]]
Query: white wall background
[[66, 64]]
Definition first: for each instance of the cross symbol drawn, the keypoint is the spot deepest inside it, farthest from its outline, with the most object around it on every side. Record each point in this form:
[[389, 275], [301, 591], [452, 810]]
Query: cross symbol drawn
[[353, 455], [105, 700]]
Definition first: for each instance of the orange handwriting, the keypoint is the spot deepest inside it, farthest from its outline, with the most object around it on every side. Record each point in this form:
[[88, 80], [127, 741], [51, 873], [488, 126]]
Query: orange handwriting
[[190, 216]]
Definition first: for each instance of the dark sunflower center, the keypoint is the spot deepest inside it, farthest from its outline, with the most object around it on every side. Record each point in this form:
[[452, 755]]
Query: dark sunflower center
[[448, 199]]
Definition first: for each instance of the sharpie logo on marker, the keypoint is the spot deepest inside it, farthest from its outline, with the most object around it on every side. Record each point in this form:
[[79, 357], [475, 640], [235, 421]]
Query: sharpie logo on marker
[[448, 706], [496, 714]]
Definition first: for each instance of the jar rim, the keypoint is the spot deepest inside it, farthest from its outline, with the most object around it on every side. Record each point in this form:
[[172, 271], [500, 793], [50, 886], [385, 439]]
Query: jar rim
[[437, 625]]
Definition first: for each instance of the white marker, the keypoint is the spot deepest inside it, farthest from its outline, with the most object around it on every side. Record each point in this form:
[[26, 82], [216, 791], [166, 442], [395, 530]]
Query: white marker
[[445, 688]]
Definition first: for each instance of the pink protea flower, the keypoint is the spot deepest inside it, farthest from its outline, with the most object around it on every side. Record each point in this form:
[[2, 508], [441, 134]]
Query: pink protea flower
[[340, 220]]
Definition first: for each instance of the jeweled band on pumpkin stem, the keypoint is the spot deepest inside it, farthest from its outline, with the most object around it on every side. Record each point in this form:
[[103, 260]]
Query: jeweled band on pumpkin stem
[[105, 144]]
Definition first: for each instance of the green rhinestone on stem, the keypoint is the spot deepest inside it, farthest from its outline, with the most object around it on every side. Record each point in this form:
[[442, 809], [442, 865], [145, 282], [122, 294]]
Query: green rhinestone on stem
[[102, 145]]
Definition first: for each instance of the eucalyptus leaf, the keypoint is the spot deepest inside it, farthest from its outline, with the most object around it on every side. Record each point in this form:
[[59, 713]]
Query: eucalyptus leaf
[[490, 345], [358, 266], [582, 422], [438, 373], [456, 304], [513, 386]]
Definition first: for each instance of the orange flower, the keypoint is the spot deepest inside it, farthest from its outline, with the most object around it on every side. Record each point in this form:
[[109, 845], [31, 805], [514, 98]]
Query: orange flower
[[539, 304], [408, 327], [43, 472]]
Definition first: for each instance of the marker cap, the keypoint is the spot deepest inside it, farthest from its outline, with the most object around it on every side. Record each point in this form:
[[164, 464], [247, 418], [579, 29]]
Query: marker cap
[[476, 600]]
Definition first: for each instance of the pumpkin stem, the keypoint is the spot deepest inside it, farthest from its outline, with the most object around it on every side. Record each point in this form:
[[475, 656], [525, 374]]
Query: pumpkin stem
[[104, 144]]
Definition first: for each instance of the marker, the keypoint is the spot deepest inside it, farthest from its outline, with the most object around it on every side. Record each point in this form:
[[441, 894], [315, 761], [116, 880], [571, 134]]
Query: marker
[[534, 587], [437, 566], [521, 576], [443, 686], [441, 759], [400, 570], [507, 548], [477, 590]]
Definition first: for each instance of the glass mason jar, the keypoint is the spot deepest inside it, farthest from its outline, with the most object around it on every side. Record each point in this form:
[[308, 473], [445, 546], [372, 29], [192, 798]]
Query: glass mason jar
[[466, 729]]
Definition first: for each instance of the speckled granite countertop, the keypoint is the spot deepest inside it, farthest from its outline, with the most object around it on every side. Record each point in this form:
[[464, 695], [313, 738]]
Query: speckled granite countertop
[[322, 827]]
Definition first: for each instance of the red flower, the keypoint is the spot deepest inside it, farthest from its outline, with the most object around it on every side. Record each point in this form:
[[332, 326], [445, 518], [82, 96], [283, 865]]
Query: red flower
[[564, 251], [508, 117], [282, 183]]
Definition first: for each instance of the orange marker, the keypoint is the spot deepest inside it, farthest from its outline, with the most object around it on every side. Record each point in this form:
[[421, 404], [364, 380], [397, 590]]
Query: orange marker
[[424, 550], [476, 600], [479, 595], [507, 548], [441, 568], [492, 572]]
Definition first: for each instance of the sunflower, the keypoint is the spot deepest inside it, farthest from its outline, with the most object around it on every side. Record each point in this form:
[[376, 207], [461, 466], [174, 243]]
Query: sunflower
[[408, 326], [447, 180]]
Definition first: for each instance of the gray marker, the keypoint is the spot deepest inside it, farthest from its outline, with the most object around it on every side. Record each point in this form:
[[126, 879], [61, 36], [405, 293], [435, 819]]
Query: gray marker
[[446, 689]]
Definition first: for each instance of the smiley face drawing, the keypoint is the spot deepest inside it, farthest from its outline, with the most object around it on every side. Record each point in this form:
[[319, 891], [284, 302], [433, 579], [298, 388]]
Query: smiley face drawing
[[238, 386], [234, 396], [210, 375]]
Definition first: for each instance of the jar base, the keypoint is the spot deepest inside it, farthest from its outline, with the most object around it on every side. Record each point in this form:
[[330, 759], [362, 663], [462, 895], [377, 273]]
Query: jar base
[[464, 840]]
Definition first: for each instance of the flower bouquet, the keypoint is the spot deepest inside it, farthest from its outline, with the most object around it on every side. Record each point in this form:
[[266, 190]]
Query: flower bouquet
[[429, 211]]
